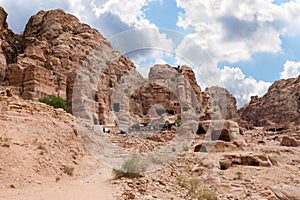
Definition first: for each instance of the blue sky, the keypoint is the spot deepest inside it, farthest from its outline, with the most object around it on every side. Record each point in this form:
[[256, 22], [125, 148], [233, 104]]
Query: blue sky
[[243, 46]]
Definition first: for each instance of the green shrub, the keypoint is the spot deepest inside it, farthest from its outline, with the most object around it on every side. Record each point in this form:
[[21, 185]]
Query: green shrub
[[55, 101], [131, 168]]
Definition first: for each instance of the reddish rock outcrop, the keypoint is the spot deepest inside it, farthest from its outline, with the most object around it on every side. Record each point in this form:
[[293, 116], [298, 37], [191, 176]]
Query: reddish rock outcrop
[[48, 57], [10, 45], [189, 74], [213, 103], [279, 106], [218, 103], [54, 46], [220, 136], [170, 90], [289, 142], [153, 94]]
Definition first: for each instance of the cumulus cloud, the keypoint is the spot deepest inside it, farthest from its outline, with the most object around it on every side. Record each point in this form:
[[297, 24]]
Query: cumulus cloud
[[129, 11], [234, 30], [291, 70], [235, 81], [142, 44], [125, 25], [208, 74]]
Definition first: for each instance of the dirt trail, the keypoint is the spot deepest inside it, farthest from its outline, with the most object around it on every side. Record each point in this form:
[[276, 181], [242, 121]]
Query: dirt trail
[[92, 187], [42, 158]]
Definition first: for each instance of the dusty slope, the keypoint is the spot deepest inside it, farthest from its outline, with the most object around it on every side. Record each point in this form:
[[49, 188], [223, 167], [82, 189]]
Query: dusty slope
[[42, 157]]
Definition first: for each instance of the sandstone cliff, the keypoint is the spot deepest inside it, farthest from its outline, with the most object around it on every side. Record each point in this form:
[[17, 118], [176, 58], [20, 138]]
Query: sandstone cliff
[[219, 104], [279, 106], [46, 58], [169, 90], [56, 53], [10, 44]]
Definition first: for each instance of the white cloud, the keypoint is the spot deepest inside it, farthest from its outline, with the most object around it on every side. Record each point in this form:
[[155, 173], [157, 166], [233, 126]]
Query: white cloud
[[129, 11], [291, 70], [235, 81], [233, 30], [142, 44], [129, 31]]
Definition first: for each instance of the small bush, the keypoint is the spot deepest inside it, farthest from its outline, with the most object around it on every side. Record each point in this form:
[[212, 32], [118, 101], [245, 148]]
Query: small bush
[[239, 176], [206, 194], [185, 148], [131, 168], [178, 120], [68, 170], [118, 173], [195, 191], [55, 101]]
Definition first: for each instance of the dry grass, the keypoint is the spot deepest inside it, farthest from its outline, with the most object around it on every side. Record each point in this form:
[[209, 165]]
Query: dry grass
[[195, 191], [131, 168], [68, 170]]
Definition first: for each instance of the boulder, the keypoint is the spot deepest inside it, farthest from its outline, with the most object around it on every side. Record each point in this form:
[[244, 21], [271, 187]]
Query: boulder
[[247, 159], [289, 142], [216, 146], [225, 130], [286, 192], [219, 136], [219, 104]]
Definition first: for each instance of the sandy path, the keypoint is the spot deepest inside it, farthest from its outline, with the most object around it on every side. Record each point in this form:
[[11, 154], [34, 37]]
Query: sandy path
[[93, 187]]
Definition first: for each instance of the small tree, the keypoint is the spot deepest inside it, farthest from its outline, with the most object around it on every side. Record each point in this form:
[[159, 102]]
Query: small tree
[[55, 101]]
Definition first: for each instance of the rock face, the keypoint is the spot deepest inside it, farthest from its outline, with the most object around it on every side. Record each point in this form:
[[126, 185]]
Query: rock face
[[214, 103], [282, 97], [167, 90], [218, 103], [53, 47], [289, 142], [189, 75], [10, 44], [220, 136], [150, 95], [49, 57]]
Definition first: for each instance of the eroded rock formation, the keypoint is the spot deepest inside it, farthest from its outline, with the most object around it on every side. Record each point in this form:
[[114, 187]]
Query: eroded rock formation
[[56, 51], [279, 107], [10, 44], [52, 49], [169, 90], [219, 104]]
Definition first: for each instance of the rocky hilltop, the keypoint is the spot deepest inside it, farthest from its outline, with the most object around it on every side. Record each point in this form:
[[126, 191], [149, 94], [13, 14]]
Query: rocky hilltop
[[279, 107], [44, 60]]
